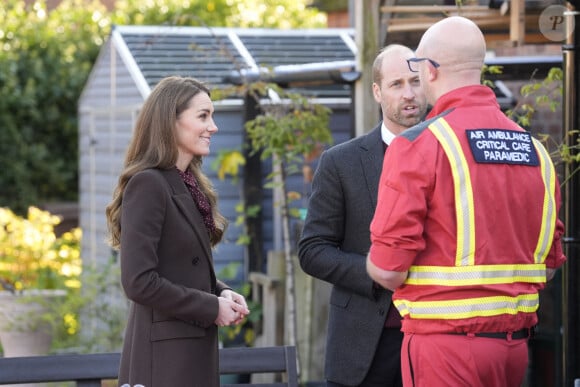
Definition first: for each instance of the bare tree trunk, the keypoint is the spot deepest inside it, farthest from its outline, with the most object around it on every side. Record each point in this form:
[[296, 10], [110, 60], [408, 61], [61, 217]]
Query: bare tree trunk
[[290, 290]]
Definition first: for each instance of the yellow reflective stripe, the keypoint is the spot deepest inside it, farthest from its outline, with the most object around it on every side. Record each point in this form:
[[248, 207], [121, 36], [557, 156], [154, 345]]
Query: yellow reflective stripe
[[549, 208], [467, 308], [476, 275], [464, 208]]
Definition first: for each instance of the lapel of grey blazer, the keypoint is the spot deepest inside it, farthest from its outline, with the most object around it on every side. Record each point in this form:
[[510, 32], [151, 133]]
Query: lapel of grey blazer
[[372, 154], [184, 201]]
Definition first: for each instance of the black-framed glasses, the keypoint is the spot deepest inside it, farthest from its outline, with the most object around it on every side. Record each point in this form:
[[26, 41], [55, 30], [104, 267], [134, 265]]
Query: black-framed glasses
[[412, 63]]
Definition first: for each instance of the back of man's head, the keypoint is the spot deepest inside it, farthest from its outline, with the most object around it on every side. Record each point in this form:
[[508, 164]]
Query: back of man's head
[[458, 46]]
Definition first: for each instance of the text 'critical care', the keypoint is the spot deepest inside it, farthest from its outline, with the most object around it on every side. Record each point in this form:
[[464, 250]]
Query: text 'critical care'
[[501, 146]]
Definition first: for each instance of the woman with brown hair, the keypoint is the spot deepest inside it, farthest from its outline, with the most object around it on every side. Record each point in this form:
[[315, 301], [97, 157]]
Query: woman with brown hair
[[164, 221]]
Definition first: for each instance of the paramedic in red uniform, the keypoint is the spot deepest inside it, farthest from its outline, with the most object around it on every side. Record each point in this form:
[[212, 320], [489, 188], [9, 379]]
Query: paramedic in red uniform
[[465, 231]]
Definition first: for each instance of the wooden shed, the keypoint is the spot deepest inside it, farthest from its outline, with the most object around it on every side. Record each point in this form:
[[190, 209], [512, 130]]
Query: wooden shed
[[135, 58]]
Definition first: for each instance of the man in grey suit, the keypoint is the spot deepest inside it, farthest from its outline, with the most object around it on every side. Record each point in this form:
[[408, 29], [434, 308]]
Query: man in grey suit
[[364, 338]]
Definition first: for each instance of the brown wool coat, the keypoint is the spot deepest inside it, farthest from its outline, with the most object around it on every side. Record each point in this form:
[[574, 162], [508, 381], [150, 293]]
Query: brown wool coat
[[167, 273]]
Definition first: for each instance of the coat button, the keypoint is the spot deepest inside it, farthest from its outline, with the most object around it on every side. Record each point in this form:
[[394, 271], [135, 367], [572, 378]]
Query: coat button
[[195, 260], [381, 311]]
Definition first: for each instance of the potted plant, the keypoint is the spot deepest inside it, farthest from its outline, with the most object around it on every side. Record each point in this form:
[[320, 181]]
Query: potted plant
[[39, 271]]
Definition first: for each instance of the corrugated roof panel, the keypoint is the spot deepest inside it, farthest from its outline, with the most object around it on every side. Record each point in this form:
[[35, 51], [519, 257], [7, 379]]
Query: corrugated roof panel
[[211, 56], [271, 50], [207, 58]]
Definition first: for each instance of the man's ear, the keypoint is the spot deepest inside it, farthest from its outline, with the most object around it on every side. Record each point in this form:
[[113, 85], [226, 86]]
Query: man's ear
[[377, 92], [433, 72]]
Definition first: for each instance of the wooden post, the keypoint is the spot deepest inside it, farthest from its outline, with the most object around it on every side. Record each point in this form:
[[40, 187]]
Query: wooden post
[[367, 30], [517, 22]]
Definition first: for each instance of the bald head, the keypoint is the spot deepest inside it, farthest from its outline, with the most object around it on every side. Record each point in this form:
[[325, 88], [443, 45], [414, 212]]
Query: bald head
[[454, 41], [458, 45]]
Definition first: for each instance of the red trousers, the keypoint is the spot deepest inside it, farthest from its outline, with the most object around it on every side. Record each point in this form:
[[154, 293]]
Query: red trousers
[[447, 360]]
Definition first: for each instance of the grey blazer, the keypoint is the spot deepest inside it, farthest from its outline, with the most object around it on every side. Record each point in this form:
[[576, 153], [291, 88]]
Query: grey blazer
[[333, 247], [167, 273]]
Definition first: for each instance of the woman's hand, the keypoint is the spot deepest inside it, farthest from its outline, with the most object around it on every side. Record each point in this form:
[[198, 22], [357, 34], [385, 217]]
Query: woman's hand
[[235, 297], [232, 308]]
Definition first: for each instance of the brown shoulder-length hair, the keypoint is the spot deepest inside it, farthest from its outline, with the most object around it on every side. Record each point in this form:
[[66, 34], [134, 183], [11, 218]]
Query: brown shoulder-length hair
[[154, 145]]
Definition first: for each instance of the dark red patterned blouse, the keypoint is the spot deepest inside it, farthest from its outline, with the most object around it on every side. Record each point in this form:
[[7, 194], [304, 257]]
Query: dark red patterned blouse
[[199, 198]]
